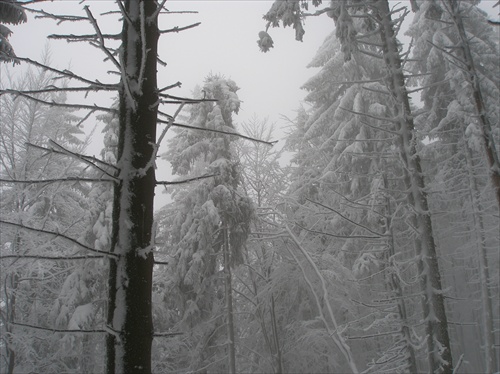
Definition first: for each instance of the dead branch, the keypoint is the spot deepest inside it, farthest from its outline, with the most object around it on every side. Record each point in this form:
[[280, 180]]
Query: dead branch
[[167, 183], [62, 236], [220, 131], [179, 29]]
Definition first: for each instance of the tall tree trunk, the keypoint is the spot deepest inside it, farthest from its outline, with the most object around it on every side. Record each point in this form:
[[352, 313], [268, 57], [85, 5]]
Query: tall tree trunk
[[477, 98], [130, 281], [229, 303], [395, 286], [484, 276], [439, 349]]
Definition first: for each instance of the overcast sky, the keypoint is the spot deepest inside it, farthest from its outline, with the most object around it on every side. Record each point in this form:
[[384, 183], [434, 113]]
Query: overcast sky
[[225, 43]]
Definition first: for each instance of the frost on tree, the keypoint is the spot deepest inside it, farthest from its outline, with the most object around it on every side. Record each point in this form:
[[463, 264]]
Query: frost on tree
[[11, 12], [458, 143], [208, 223], [34, 267], [351, 146]]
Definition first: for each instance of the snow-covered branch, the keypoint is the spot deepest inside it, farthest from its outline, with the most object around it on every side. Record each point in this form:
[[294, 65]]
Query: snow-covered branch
[[59, 235], [57, 180], [90, 160], [65, 73], [102, 45], [56, 104]]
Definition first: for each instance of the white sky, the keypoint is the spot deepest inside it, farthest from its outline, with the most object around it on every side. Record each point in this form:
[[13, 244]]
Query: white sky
[[225, 43]]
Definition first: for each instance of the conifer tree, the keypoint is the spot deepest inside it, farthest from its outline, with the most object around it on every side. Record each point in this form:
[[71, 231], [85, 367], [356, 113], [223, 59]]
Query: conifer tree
[[377, 19], [209, 223], [458, 70]]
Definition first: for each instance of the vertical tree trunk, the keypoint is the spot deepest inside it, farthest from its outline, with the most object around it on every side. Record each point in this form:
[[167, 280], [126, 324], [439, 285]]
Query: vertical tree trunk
[[395, 286], [229, 304], [130, 281], [439, 349], [484, 276]]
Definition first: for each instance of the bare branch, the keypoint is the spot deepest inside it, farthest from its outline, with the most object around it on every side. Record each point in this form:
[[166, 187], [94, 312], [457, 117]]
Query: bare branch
[[55, 330], [55, 258], [178, 29], [56, 104], [65, 89], [79, 157], [166, 334], [62, 236], [87, 159], [178, 84], [369, 115], [64, 73], [58, 17], [337, 236], [167, 183], [85, 37], [55, 180], [344, 217], [219, 131]]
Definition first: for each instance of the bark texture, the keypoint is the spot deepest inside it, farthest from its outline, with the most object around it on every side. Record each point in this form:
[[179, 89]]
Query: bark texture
[[130, 281]]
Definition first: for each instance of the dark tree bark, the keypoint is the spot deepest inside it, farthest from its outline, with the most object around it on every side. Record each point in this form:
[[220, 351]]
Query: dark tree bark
[[130, 280]]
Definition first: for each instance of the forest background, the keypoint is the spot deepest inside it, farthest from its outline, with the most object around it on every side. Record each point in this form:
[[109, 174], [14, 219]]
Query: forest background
[[314, 266]]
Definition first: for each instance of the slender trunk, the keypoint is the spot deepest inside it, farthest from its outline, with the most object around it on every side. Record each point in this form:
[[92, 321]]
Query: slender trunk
[[395, 286], [11, 309], [229, 304], [484, 276], [130, 282], [477, 98], [278, 359], [439, 349], [328, 318]]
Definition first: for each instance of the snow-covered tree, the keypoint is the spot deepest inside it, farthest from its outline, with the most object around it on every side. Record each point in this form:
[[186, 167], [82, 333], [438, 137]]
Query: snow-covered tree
[[366, 28], [129, 329], [207, 225], [31, 271], [11, 12], [457, 67]]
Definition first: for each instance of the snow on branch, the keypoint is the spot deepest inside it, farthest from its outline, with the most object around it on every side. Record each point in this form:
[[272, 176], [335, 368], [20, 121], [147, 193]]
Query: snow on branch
[[53, 88], [178, 84], [101, 43], [60, 18], [56, 180], [84, 37], [56, 104], [90, 160], [65, 73], [62, 236]]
